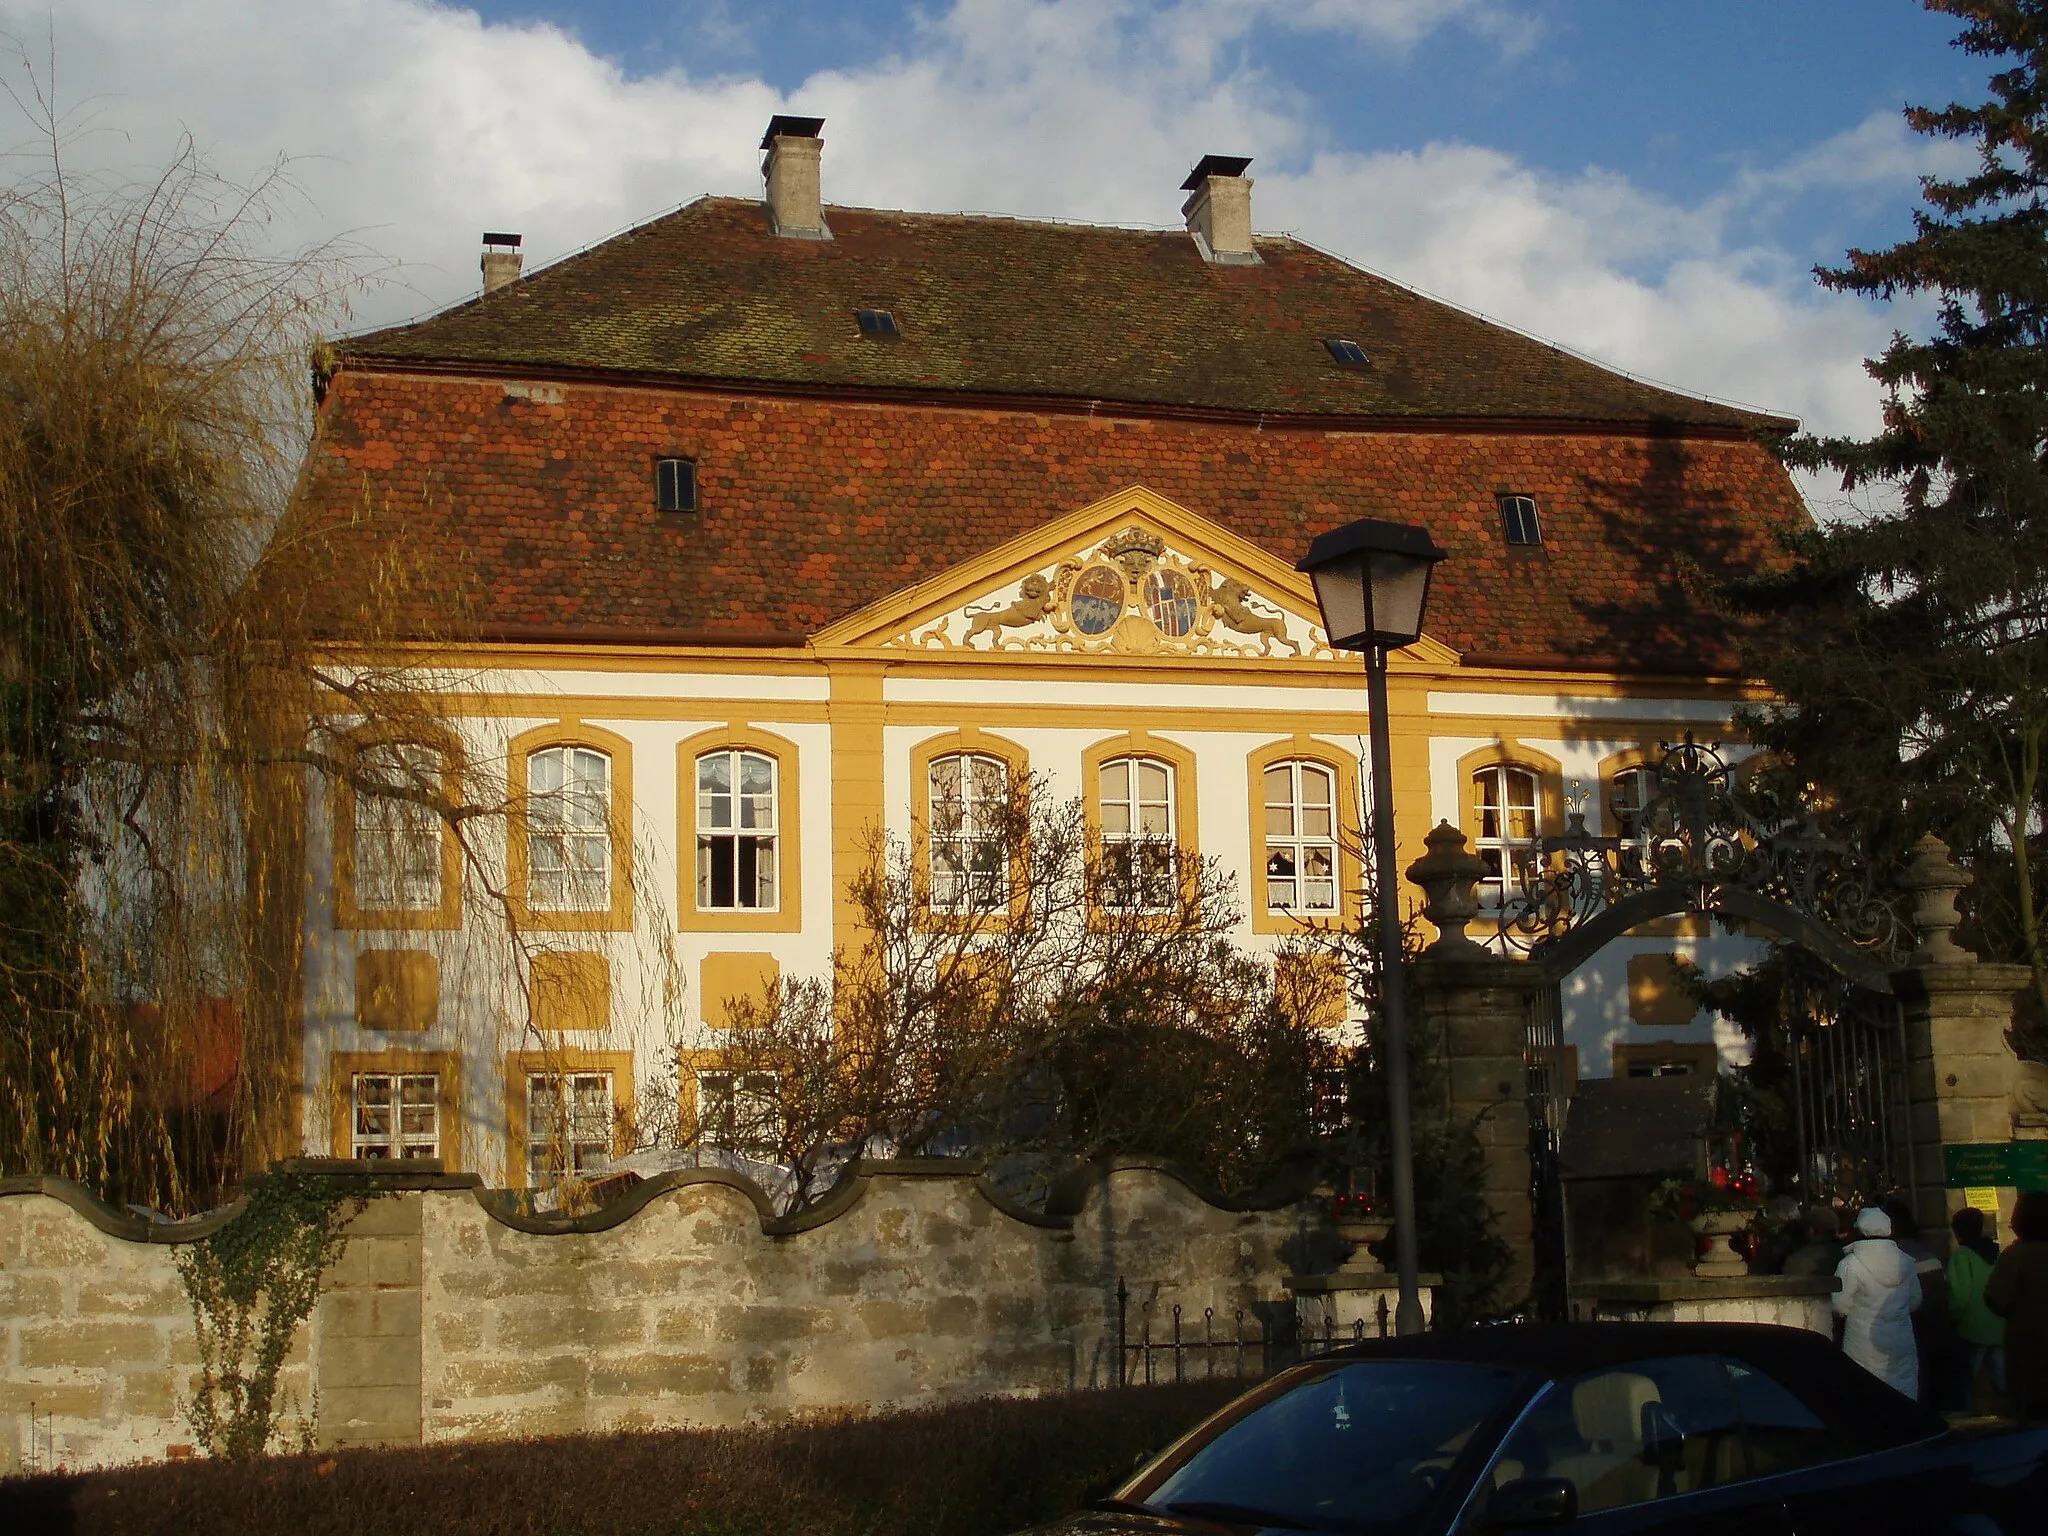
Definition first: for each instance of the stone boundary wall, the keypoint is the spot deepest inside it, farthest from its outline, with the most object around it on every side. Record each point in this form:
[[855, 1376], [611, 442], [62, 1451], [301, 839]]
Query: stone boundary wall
[[451, 1315]]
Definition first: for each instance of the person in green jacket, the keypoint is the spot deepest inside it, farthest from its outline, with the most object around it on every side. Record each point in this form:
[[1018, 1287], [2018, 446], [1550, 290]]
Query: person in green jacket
[[1980, 1332]]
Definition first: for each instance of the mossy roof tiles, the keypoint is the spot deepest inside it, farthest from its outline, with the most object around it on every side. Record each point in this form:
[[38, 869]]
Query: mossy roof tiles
[[1006, 307]]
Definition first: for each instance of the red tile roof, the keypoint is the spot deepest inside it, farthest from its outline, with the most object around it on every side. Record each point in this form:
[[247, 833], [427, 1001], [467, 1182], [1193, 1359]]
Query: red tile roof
[[1007, 307], [538, 507]]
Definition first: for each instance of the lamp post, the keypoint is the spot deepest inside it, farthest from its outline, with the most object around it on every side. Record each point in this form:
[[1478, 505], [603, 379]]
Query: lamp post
[[1372, 583]]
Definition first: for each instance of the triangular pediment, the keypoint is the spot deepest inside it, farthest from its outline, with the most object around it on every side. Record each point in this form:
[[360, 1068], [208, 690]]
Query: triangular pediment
[[1131, 575]]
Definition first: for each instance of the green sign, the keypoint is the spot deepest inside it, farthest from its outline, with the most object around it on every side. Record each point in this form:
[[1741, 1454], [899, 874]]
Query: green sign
[[2019, 1165]]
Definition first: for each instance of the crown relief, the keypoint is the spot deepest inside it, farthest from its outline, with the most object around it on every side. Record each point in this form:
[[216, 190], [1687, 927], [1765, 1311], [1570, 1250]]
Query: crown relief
[[1128, 595]]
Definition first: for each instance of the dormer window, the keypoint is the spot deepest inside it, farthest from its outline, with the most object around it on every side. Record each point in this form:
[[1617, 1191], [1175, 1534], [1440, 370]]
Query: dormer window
[[1518, 520], [1348, 353], [877, 324], [675, 485]]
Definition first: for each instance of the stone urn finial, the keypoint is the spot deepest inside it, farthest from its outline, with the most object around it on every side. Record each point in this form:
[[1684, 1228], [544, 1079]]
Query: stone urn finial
[[1931, 875], [1449, 875]]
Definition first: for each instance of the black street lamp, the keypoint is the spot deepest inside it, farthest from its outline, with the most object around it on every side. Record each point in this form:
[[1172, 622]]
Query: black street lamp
[[1372, 584]]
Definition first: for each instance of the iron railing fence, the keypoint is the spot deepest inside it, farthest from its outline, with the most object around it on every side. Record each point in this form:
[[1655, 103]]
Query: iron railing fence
[[1240, 1347]]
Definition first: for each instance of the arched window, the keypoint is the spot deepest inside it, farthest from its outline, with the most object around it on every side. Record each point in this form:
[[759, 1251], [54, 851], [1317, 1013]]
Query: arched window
[[1301, 838], [1628, 799], [969, 863], [1135, 802], [397, 839], [568, 829], [736, 831], [1504, 803]]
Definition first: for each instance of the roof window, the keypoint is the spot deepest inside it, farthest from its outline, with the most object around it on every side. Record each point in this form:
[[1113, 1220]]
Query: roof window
[[877, 323], [1518, 520], [675, 485], [1349, 353]]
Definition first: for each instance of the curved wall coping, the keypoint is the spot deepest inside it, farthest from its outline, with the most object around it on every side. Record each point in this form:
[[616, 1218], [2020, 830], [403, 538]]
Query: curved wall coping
[[1069, 1196]]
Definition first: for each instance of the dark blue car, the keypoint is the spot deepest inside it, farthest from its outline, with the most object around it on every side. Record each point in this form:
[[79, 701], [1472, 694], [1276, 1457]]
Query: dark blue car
[[1703, 1429]]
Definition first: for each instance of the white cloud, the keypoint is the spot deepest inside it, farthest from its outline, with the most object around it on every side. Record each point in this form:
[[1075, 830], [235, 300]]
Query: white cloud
[[418, 126], [1398, 23], [1597, 264]]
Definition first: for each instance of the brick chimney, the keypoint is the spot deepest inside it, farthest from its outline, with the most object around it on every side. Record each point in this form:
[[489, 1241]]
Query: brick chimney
[[796, 207], [1219, 210], [501, 261]]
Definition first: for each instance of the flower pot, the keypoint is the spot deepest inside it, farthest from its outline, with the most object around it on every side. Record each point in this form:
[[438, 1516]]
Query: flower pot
[[1361, 1232], [1720, 1260]]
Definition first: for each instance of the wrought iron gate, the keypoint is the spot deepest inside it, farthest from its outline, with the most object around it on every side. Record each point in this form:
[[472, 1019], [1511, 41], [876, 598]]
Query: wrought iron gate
[[1695, 834], [1852, 1128]]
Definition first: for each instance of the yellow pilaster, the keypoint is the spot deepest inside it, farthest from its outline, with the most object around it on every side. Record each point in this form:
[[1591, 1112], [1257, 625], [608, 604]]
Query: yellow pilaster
[[1408, 743], [856, 713]]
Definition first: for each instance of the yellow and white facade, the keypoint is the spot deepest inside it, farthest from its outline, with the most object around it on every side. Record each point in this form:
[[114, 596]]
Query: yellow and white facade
[[683, 822]]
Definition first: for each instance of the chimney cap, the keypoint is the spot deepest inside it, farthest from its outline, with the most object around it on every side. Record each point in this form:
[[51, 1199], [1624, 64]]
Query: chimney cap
[[493, 237], [1215, 165], [781, 126]]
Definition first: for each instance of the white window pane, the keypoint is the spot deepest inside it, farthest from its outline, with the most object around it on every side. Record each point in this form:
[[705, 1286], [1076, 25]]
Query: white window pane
[[990, 779], [593, 772]]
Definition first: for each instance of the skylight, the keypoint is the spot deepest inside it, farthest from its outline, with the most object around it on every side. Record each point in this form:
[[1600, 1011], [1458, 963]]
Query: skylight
[[1349, 353], [1518, 520], [675, 485], [877, 323]]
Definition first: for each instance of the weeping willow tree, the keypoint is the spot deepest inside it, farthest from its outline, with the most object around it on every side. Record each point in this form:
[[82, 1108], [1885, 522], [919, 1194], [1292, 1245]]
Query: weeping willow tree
[[153, 409], [182, 673]]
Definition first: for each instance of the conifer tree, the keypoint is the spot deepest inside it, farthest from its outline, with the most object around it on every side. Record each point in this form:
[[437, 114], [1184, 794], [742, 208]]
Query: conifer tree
[[1911, 646]]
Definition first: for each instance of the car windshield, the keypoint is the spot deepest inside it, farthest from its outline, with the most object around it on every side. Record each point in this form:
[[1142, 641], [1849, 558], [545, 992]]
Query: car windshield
[[1361, 1447]]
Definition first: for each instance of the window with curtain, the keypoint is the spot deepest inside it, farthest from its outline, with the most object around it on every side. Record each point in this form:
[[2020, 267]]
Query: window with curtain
[[736, 831], [569, 1124], [969, 868], [395, 1114], [1301, 838], [1504, 806], [1136, 810], [397, 840], [740, 1112], [569, 829]]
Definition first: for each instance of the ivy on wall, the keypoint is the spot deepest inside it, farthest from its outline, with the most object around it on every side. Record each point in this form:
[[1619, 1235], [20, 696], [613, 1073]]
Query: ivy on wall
[[252, 1285]]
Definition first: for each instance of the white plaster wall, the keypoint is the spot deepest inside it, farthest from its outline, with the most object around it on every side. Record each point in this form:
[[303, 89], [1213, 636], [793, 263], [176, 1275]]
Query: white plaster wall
[[480, 1012], [476, 983]]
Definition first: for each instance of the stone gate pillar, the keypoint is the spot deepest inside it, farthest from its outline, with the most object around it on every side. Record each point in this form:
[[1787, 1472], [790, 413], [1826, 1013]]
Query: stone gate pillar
[[1961, 1073], [1476, 1004]]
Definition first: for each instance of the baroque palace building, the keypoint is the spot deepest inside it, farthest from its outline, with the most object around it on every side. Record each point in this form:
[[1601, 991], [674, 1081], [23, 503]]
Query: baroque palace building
[[758, 527]]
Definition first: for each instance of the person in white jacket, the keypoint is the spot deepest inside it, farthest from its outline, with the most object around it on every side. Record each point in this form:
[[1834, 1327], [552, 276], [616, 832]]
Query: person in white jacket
[[1880, 1291]]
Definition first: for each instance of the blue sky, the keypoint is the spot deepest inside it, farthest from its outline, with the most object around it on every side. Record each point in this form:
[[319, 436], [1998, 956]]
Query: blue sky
[[1647, 183], [1680, 103]]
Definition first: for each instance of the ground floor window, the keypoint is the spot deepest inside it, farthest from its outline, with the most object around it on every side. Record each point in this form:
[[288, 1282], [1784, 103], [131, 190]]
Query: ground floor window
[[739, 1112], [395, 1114], [569, 1120]]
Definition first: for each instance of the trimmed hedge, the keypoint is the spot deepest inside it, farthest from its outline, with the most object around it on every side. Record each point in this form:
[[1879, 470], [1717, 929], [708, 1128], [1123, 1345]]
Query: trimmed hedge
[[979, 1468]]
